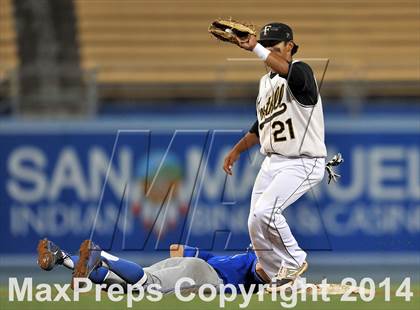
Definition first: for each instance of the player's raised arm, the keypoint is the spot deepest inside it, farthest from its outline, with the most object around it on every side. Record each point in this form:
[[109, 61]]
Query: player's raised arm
[[277, 37], [248, 141], [277, 57]]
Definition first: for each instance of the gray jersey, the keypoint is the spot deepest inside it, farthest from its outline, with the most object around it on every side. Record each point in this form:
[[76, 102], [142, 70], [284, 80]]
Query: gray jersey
[[287, 127]]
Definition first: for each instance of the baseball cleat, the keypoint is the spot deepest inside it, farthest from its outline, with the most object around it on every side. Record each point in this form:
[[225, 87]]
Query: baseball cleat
[[89, 259], [49, 254], [286, 277]]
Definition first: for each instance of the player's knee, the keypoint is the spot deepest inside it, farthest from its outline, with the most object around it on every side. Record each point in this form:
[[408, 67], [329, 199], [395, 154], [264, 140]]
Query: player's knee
[[278, 219], [251, 224], [264, 216], [257, 217]]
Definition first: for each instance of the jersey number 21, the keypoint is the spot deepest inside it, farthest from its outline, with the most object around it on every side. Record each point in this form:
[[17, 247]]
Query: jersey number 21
[[279, 129]]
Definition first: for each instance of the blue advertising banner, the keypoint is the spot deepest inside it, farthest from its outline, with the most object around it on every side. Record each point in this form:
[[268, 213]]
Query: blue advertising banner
[[145, 189]]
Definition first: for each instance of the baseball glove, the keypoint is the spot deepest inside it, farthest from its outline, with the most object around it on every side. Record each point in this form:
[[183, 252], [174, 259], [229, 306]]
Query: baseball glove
[[231, 31]]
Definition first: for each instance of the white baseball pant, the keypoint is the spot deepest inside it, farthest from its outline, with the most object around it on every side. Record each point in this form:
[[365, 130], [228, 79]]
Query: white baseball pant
[[279, 183]]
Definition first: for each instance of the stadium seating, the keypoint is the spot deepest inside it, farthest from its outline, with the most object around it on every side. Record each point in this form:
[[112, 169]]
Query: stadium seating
[[8, 52], [149, 42], [167, 40]]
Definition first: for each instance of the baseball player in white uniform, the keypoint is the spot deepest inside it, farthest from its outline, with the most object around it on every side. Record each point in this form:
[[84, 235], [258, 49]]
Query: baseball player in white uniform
[[290, 130]]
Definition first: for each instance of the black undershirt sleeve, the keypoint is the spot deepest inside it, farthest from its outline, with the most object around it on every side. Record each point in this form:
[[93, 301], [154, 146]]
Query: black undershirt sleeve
[[254, 129], [302, 83]]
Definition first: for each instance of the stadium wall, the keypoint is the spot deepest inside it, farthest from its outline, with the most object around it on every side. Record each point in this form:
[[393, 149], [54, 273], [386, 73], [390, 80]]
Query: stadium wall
[[71, 180]]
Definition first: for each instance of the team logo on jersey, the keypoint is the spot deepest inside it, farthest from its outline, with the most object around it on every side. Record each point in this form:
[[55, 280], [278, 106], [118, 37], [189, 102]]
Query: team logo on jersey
[[273, 107]]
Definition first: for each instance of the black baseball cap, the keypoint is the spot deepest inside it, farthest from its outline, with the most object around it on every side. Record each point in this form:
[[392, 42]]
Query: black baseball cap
[[274, 33]]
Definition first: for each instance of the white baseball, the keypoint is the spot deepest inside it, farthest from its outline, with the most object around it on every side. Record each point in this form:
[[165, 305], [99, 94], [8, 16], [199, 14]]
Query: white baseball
[[228, 30]]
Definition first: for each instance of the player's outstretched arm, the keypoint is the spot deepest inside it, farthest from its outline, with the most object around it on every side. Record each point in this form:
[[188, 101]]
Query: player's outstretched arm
[[176, 250], [248, 141], [179, 250]]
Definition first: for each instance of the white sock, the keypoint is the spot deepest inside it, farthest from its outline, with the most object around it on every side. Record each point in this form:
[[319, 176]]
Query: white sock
[[67, 261]]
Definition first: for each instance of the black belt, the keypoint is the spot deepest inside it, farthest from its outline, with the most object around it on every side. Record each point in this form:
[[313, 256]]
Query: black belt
[[292, 157]]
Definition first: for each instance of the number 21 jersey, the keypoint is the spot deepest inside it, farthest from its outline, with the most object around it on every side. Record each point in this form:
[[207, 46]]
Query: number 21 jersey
[[286, 126]]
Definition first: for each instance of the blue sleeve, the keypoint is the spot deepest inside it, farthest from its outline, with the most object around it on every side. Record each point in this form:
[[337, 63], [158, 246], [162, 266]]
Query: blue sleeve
[[190, 251]]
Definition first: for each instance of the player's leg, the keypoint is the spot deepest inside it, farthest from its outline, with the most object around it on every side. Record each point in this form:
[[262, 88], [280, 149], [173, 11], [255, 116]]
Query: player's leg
[[268, 227], [102, 267], [51, 255], [93, 260], [166, 273], [262, 181]]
